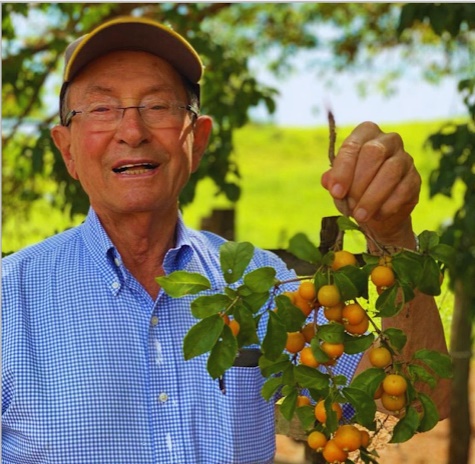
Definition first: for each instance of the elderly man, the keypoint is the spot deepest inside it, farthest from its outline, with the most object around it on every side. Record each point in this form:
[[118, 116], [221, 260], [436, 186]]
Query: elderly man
[[93, 368]]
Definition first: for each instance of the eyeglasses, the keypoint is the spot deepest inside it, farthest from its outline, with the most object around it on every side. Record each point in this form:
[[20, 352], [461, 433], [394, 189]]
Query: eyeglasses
[[156, 114]]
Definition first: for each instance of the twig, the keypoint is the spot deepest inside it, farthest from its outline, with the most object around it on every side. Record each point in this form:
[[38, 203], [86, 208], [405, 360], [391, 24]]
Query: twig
[[332, 129]]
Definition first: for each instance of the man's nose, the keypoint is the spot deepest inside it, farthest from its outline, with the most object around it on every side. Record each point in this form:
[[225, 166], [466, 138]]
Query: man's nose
[[131, 128]]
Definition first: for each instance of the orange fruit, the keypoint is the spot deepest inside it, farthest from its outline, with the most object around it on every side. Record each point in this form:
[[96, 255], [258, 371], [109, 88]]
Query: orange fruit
[[307, 290], [309, 331], [353, 313], [290, 296], [328, 295], [393, 402], [302, 400], [304, 305], [334, 313], [317, 440], [365, 438], [234, 326], [382, 276], [378, 392], [348, 438], [225, 318], [394, 384], [380, 356], [295, 342], [343, 258], [333, 350], [307, 358], [333, 453], [358, 329], [321, 414]]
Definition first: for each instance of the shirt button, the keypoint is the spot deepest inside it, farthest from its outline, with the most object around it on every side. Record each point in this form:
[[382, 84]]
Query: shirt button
[[162, 397], [154, 321], [117, 261], [115, 285]]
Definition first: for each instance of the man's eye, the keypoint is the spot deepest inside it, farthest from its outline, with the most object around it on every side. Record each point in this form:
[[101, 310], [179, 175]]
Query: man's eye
[[159, 106], [101, 109]]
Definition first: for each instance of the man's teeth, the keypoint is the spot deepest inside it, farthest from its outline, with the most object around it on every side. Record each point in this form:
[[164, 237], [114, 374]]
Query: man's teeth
[[134, 168]]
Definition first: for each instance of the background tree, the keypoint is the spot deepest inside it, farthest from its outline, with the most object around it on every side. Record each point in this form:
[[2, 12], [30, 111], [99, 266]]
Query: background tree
[[228, 36], [456, 144]]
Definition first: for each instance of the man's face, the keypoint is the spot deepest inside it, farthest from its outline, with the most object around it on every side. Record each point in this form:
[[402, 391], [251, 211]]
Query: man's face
[[130, 167]]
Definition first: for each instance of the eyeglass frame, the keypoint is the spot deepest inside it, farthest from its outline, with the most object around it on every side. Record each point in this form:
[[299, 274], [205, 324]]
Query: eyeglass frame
[[187, 107]]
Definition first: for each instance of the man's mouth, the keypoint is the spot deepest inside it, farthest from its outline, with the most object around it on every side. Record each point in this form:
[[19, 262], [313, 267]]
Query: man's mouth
[[134, 169]]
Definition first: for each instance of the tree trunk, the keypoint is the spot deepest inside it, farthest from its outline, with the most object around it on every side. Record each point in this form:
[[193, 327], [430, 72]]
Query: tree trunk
[[461, 351]]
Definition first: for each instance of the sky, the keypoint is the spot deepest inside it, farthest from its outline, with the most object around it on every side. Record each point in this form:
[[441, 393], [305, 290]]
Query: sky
[[304, 99]]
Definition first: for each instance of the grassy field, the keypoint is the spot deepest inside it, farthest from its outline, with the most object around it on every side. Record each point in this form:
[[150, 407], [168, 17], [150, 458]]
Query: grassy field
[[281, 192]]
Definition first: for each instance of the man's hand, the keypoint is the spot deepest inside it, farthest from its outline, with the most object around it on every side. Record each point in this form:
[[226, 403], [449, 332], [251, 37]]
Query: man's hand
[[375, 181]]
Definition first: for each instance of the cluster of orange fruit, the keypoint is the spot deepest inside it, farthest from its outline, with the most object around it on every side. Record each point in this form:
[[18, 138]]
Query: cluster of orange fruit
[[346, 439], [354, 318]]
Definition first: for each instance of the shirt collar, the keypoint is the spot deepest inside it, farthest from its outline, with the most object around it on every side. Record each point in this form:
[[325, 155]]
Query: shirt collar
[[100, 245]]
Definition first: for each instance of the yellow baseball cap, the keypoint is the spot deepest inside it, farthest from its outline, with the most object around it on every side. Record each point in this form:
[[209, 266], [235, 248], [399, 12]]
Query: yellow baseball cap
[[133, 33]]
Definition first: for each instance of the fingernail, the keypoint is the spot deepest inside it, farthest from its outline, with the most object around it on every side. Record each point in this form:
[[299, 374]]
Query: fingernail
[[360, 215], [337, 191]]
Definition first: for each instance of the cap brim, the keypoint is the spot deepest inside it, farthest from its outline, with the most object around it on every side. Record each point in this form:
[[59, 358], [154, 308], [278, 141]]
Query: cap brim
[[130, 33]]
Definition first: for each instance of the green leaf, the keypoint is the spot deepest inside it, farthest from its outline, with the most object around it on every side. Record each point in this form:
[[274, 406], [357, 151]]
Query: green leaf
[[291, 316], [406, 426], [301, 247], [440, 363], [345, 223], [369, 380], [306, 416], [223, 353], [428, 240], [234, 258], [331, 333], [271, 385], [317, 351], [308, 377], [419, 374], [275, 338], [387, 303], [443, 253], [273, 366], [430, 278], [364, 405], [207, 305], [253, 301], [289, 404], [181, 283], [202, 336], [407, 266], [352, 282], [354, 345], [332, 418], [430, 416], [248, 331], [260, 280], [397, 338]]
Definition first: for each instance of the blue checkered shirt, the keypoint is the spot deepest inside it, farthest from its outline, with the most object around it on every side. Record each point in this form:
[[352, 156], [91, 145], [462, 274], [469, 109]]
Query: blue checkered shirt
[[93, 370]]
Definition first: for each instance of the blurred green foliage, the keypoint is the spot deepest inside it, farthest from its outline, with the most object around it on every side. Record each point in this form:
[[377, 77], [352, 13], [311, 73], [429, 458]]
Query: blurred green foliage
[[228, 36]]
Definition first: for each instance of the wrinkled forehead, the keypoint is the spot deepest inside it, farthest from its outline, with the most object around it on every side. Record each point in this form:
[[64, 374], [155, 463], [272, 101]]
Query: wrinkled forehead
[[132, 72]]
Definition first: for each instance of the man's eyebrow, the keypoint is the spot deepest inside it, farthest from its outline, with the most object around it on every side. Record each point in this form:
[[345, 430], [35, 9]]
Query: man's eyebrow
[[156, 89]]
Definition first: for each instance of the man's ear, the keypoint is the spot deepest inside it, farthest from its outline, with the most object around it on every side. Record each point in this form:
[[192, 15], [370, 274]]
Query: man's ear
[[202, 133], [62, 139]]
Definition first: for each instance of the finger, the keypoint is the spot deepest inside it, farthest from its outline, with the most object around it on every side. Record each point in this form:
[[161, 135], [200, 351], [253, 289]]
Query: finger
[[396, 185], [339, 178], [385, 153], [402, 200]]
